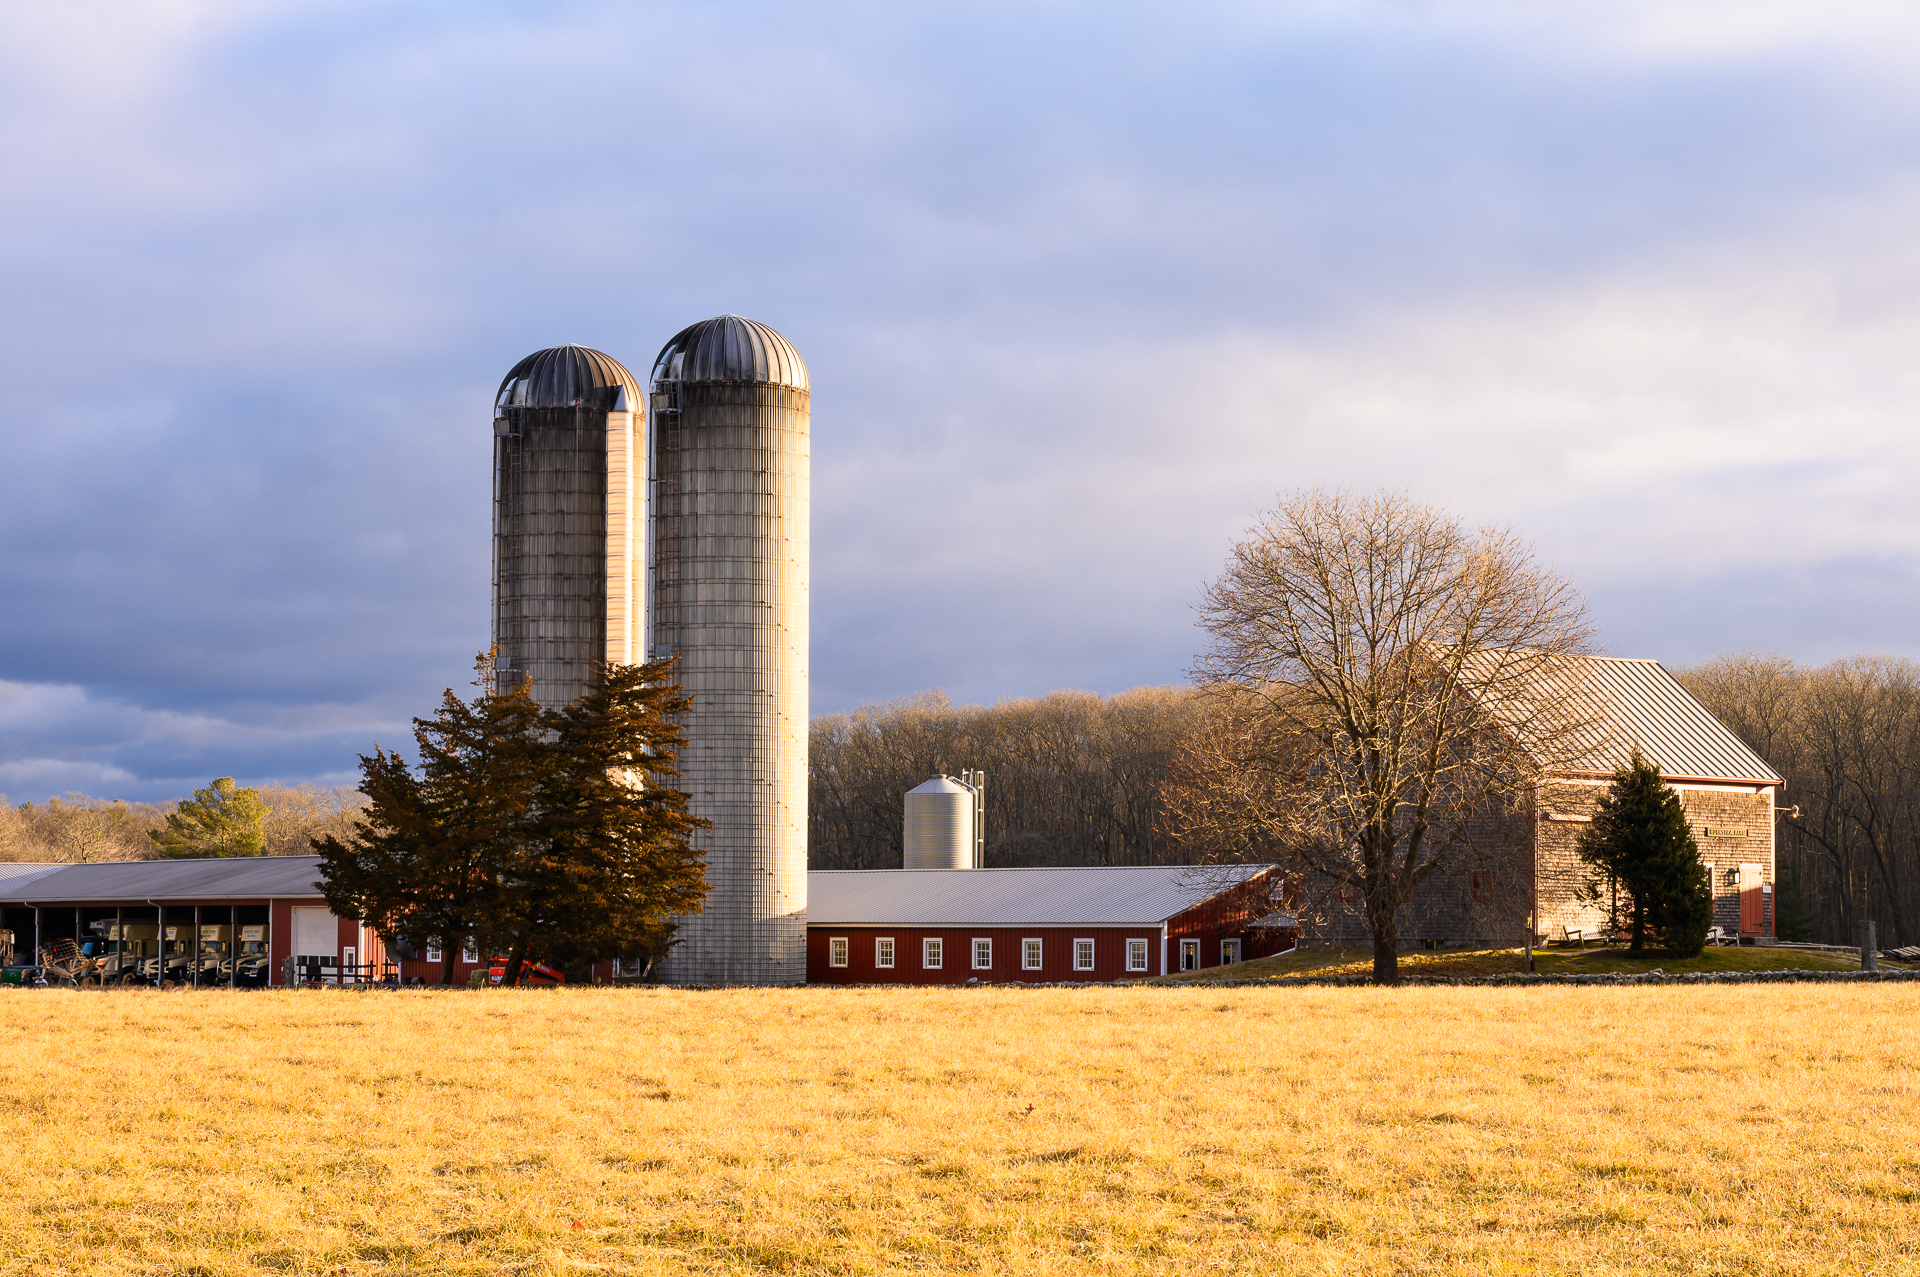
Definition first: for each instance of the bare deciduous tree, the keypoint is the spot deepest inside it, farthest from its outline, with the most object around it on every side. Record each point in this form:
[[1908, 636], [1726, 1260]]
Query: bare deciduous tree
[[1073, 778], [1390, 678], [1846, 736], [76, 828]]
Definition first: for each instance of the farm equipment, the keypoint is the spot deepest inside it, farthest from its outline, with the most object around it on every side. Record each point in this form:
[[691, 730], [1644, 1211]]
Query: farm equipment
[[252, 958], [531, 973], [171, 965], [120, 950], [62, 962], [12, 970]]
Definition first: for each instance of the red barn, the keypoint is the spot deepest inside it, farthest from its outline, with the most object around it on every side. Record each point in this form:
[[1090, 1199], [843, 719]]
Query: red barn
[[947, 926]]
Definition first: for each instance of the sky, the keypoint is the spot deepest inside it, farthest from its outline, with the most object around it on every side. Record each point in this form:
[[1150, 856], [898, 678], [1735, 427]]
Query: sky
[[1081, 288]]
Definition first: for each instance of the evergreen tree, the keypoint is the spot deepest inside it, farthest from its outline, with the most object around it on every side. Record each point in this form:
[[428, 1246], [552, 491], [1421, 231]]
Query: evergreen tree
[[608, 858], [1640, 843], [220, 820], [524, 829]]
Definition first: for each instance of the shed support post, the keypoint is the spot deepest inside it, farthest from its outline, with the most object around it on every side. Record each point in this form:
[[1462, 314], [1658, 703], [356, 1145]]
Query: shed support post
[[120, 943], [1869, 948], [197, 933]]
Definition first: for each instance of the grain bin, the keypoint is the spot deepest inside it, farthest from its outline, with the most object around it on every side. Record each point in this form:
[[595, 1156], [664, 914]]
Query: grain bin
[[729, 569], [569, 520], [939, 825]]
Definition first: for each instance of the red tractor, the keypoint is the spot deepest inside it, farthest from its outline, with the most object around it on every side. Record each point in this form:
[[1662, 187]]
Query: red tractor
[[531, 973]]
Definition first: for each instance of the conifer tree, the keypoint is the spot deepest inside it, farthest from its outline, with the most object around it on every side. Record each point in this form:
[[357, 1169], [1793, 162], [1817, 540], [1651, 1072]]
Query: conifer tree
[[609, 858], [220, 820], [528, 830], [1640, 842]]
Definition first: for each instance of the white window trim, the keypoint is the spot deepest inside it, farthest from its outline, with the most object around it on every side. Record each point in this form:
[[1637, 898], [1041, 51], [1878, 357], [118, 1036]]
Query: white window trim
[[1040, 943], [933, 953], [1093, 953], [1235, 942], [839, 950], [1198, 956], [977, 942], [434, 952], [883, 953], [470, 950], [1140, 947]]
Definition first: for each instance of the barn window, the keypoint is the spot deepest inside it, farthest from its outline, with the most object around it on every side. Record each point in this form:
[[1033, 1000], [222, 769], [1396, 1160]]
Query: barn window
[[1189, 955], [1136, 955], [883, 951], [1030, 954], [433, 949], [837, 952], [1083, 955], [1229, 952], [932, 953], [983, 953], [1483, 884], [470, 950]]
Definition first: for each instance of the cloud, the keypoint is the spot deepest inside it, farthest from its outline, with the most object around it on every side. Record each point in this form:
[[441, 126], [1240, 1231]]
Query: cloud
[[1079, 288]]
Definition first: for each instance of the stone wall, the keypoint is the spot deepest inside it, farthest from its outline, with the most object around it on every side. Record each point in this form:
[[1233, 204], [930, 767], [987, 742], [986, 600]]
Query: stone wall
[[1731, 827], [1479, 897]]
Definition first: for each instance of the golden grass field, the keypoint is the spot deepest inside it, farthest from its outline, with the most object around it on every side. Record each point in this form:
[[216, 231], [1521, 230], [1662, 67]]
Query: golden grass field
[[1722, 1129], [1565, 960]]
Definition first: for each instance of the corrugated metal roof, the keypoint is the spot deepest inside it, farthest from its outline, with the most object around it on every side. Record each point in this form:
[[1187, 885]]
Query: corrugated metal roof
[[1133, 895], [730, 348], [1642, 703], [569, 377], [16, 876], [230, 878]]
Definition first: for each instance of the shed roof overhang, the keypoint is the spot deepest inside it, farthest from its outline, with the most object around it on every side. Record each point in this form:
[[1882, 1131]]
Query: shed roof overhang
[[217, 880]]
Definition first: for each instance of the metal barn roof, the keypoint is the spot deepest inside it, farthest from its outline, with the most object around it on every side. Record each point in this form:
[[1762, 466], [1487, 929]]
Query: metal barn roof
[[1647, 705], [226, 878], [569, 377], [730, 348], [15, 877], [1120, 896]]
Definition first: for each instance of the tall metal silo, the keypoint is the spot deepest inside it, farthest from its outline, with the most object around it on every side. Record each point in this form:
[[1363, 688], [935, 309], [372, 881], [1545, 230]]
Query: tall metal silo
[[729, 461], [569, 520]]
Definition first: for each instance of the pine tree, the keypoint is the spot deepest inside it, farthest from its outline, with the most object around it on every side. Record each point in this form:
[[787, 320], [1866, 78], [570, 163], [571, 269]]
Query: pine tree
[[609, 857], [220, 820], [1640, 842], [531, 831]]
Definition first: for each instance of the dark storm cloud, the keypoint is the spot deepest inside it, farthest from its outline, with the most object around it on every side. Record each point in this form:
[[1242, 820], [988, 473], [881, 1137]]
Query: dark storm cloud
[[1079, 286]]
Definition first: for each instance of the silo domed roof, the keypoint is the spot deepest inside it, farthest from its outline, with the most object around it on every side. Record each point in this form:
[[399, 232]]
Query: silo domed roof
[[569, 377], [730, 348]]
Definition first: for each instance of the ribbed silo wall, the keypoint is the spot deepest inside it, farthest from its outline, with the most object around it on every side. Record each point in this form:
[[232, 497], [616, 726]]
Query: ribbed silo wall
[[567, 507], [731, 484], [938, 831]]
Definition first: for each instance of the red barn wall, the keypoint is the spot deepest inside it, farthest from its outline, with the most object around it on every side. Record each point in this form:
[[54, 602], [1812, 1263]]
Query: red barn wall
[[1056, 953]]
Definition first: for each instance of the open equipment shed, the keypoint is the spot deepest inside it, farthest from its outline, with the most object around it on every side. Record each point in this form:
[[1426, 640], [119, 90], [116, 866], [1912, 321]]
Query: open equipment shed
[[227, 921], [947, 926]]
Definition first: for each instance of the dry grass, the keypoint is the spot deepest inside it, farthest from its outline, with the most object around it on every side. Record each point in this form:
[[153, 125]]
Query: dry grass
[[1722, 1129], [1598, 960]]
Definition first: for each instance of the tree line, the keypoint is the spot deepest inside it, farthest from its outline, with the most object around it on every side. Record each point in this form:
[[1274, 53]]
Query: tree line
[[1080, 779], [1072, 778], [1846, 736], [282, 819]]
